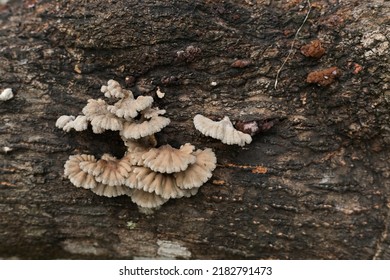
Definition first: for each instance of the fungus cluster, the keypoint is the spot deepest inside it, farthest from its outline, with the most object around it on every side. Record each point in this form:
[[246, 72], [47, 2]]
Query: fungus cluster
[[150, 175]]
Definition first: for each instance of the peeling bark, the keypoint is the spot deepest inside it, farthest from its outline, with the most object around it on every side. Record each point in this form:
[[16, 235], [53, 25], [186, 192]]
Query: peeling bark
[[315, 186]]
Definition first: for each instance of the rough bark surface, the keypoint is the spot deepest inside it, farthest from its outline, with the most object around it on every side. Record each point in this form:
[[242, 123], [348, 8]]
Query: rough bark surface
[[316, 186]]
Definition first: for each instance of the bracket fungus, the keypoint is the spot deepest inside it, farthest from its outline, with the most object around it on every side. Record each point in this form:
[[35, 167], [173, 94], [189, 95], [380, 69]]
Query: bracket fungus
[[222, 130], [150, 175]]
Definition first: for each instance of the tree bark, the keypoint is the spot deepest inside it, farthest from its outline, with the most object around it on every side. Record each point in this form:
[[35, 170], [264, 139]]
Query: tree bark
[[315, 186]]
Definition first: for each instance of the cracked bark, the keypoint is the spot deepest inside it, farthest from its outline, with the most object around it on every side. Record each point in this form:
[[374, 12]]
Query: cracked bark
[[316, 186]]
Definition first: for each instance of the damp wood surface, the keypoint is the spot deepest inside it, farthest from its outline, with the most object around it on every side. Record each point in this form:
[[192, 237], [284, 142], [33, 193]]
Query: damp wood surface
[[315, 186]]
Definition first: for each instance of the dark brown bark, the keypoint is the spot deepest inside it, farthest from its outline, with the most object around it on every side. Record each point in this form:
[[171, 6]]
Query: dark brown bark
[[315, 186]]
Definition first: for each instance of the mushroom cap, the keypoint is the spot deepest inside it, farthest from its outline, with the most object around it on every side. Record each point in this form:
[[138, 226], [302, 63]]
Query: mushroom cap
[[166, 159], [137, 130], [76, 175], [146, 199], [108, 170], [158, 183], [114, 90], [222, 130], [199, 172], [128, 108], [111, 191], [78, 124], [64, 120], [101, 119]]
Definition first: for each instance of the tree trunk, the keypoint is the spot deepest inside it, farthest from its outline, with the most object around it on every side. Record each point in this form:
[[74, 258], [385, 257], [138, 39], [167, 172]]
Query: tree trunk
[[314, 186]]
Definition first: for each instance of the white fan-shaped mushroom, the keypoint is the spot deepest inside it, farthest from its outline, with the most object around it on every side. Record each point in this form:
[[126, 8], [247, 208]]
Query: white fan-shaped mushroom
[[108, 170], [62, 121], [76, 175], [161, 184], [111, 191], [137, 130], [101, 119], [166, 159], [78, 124], [222, 130], [128, 108], [114, 90], [146, 199], [199, 172]]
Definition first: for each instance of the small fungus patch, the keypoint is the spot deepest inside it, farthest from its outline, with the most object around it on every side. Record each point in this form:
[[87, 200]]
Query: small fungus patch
[[222, 130]]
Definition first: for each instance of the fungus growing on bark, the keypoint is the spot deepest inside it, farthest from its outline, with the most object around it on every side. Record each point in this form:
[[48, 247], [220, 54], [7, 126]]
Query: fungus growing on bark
[[108, 170], [6, 94], [146, 199], [78, 124], [111, 191], [150, 175], [76, 175], [114, 90], [63, 121], [161, 184], [129, 108], [199, 172], [222, 130], [101, 119], [143, 127], [66, 123], [166, 159]]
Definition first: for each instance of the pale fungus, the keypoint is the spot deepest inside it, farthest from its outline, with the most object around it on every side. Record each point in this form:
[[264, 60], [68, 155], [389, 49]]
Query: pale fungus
[[147, 200], [161, 184], [222, 130], [143, 128], [78, 124], [76, 175], [108, 170], [111, 191], [149, 174], [166, 159], [114, 90], [129, 108], [101, 119], [199, 172], [63, 121]]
